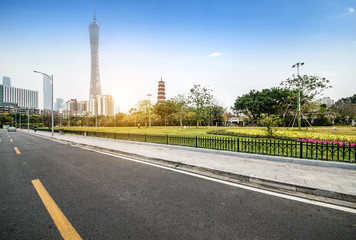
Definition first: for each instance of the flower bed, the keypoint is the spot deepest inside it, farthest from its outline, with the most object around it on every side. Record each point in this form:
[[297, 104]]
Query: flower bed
[[288, 135]]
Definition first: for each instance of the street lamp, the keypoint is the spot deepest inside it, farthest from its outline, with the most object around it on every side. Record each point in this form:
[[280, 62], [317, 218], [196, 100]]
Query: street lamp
[[149, 109], [297, 65], [51, 78], [28, 118]]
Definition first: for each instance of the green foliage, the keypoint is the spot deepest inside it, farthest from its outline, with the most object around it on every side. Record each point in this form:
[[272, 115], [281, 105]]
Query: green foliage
[[322, 120], [346, 107], [309, 86], [217, 114], [200, 97], [274, 101], [351, 99], [271, 123]]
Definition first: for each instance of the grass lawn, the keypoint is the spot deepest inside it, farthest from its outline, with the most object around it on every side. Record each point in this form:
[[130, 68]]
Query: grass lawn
[[324, 133]]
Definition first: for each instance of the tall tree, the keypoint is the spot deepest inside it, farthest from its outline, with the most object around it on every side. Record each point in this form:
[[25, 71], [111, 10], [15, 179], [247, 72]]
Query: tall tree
[[181, 104], [308, 87], [200, 97]]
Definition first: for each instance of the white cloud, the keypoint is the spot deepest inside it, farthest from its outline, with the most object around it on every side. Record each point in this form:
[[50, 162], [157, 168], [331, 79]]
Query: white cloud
[[351, 10], [215, 54]]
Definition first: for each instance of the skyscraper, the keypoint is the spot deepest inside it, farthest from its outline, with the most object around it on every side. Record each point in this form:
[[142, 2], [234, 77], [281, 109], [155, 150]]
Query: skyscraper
[[6, 81], [59, 104], [47, 93], [95, 85]]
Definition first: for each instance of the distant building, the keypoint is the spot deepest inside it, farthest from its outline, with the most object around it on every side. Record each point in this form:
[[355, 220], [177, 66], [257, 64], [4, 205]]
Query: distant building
[[117, 110], [83, 106], [106, 105], [73, 106], [327, 101], [18, 97], [47, 93], [161, 96], [6, 81], [59, 104]]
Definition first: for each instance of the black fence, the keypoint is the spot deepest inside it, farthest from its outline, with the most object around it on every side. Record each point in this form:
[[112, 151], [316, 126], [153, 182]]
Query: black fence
[[285, 148]]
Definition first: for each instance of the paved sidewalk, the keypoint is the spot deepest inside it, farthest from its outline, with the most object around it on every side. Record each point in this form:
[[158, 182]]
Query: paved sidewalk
[[320, 178]]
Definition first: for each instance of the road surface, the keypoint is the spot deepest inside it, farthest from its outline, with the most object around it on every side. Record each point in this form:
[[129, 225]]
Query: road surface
[[108, 197]]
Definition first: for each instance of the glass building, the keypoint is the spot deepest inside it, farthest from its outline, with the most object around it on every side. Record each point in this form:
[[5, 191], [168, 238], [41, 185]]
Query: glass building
[[18, 97], [6, 81], [47, 93]]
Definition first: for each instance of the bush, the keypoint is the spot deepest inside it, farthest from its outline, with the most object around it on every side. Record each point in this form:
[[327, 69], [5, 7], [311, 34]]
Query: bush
[[322, 120]]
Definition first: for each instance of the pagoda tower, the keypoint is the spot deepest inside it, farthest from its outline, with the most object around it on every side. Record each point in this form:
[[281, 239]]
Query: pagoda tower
[[161, 96]]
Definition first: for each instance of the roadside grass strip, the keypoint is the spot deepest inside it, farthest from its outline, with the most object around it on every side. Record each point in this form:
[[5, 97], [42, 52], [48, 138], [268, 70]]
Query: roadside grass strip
[[17, 150], [64, 226]]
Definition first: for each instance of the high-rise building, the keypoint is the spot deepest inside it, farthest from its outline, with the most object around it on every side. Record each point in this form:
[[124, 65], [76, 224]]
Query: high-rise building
[[95, 85], [6, 81], [17, 97], [84, 106], [59, 104], [161, 96], [73, 105], [106, 105], [47, 93]]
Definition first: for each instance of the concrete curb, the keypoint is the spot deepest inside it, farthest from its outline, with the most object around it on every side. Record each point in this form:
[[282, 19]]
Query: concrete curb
[[240, 178]]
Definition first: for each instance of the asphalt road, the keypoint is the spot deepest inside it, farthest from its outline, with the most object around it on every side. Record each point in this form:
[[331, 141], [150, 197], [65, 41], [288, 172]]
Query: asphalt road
[[106, 197]]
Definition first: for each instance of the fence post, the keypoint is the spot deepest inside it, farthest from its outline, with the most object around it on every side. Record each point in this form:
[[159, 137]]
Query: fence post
[[196, 141], [238, 144], [301, 149], [145, 138], [167, 140]]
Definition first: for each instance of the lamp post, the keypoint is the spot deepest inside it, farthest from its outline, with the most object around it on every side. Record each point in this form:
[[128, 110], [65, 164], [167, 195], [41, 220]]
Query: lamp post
[[297, 65], [51, 78], [28, 118], [149, 109]]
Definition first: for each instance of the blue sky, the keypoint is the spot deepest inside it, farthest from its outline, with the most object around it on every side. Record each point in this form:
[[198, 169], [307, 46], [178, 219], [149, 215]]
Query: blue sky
[[228, 46]]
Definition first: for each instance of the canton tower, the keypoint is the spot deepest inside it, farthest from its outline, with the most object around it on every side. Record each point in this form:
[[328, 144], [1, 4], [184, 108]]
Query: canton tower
[[95, 85]]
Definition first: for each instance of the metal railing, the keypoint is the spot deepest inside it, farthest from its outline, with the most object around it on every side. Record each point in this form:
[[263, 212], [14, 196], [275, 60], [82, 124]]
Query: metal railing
[[285, 148]]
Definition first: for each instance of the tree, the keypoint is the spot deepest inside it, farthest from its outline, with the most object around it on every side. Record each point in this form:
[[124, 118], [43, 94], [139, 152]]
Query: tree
[[216, 113], [165, 110], [200, 97], [308, 87], [274, 101], [346, 107], [143, 111], [181, 104]]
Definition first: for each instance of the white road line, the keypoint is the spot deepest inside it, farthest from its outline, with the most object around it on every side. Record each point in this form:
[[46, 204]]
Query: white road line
[[327, 205]]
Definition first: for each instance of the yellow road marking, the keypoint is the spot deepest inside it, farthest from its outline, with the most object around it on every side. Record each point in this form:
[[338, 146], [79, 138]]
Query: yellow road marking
[[17, 150], [65, 228], [11, 140]]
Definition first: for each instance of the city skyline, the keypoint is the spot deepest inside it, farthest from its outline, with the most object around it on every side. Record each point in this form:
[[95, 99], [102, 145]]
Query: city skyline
[[227, 46]]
